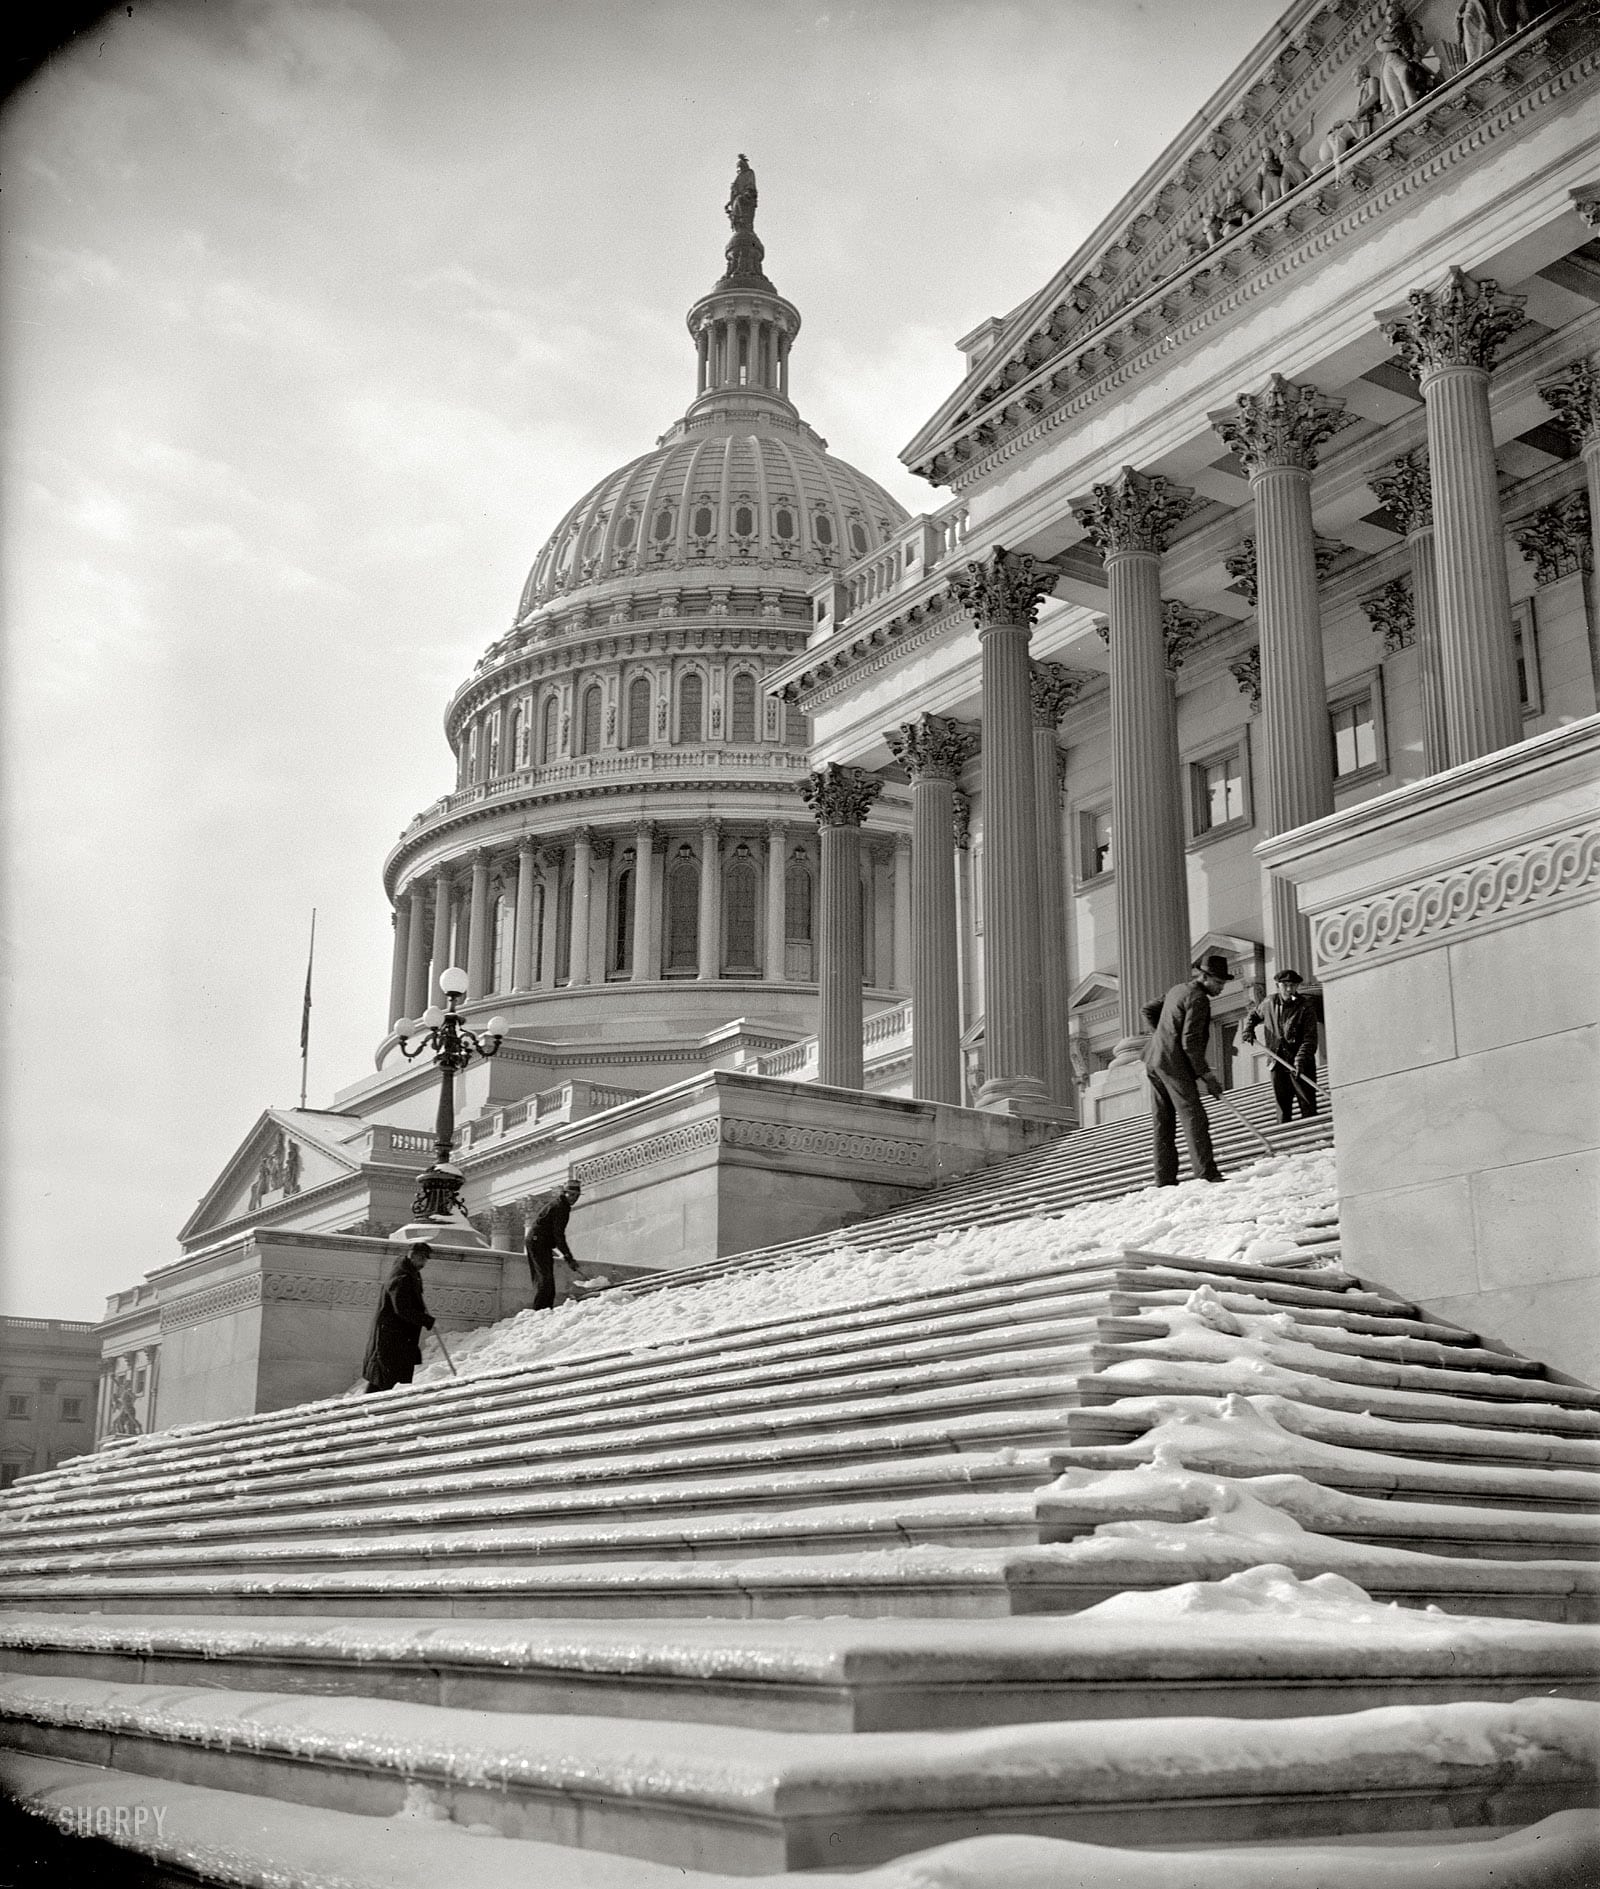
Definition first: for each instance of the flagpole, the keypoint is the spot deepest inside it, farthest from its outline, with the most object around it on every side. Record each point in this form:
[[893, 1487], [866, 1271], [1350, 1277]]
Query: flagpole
[[305, 1010]]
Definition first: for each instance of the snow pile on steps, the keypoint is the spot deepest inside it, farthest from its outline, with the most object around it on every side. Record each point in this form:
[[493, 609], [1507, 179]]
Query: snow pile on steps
[[1251, 1217], [294, 1846]]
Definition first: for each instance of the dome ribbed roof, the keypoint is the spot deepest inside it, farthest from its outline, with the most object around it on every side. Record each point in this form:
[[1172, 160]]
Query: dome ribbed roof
[[722, 493]]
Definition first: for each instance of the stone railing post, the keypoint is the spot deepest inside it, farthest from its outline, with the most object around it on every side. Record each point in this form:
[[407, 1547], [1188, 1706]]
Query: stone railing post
[[1129, 522], [933, 750], [522, 953], [1002, 595], [1574, 393], [1055, 689], [1275, 435], [839, 797], [1405, 492], [1448, 338]]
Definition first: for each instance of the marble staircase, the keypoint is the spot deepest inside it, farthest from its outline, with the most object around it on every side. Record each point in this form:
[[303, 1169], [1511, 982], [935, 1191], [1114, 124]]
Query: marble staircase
[[812, 1591]]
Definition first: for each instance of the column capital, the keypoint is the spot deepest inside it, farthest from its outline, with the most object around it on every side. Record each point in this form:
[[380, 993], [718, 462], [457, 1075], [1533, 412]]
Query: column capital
[[710, 828], [1053, 688], [1464, 322], [1240, 564], [646, 832], [527, 845], [778, 830], [1180, 631], [1574, 394], [1392, 613], [583, 836], [1006, 587], [934, 746], [1556, 540], [1280, 427], [1405, 490], [1135, 511], [839, 795], [1247, 673]]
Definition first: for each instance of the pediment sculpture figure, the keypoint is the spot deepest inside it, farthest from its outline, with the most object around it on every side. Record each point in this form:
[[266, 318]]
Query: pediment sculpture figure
[[1404, 79]]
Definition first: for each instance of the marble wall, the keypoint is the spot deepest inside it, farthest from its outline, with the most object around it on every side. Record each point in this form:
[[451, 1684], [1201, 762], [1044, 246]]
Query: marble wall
[[1456, 928]]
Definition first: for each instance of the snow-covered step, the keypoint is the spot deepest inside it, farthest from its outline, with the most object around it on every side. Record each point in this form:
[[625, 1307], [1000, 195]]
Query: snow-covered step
[[756, 1801], [913, 1582], [1251, 1436], [1328, 1653], [1167, 1490], [209, 1835]]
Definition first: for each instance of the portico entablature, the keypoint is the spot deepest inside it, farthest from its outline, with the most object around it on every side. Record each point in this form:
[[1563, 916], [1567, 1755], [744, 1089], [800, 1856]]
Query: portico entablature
[[1087, 338]]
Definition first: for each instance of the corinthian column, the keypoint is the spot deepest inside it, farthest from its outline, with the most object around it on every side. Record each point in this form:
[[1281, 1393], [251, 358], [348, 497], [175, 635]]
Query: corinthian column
[[839, 798], [933, 751], [710, 899], [522, 952], [1574, 393], [550, 918], [1002, 596], [644, 902], [777, 867], [1129, 522], [441, 933], [1275, 435], [1448, 337], [480, 946], [578, 938], [1405, 492], [416, 952], [1054, 691], [397, 961]]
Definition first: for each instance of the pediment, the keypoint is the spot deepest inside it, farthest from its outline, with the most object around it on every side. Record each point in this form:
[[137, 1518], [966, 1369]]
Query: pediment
[[286, 1153], [1212, 208], [1089, 993]]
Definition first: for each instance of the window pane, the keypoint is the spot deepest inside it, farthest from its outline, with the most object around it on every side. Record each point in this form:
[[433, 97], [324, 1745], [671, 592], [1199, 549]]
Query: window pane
[[591, 720], [742, 722], [691, 696], [1355, 737], [740, 885], [639, 713], [683, 914]]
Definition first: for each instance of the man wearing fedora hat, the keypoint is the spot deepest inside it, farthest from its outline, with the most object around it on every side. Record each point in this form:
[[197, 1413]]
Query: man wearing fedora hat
[[1290, 1023], [1175, 1062]]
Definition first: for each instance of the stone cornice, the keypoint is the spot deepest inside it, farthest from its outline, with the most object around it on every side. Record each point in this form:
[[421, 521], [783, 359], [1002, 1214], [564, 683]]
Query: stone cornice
[[1117, 344], [852, 654]]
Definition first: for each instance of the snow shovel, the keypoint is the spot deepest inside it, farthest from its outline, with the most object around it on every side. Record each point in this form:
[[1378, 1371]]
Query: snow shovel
[[1295, 1076], [1246, 1124], [446, 1350]]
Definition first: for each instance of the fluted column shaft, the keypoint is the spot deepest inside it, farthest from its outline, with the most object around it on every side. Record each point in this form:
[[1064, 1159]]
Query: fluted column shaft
[[479, 945], [416, 954], [902, 911], [441, 934], [777, 868], [1483, 710], [710, 899], [1146, 798], [1449, 337], [522, 953], [400, 920], [550, 937], [644, 903], [1430, 671], [578, 941], [1053, 921], [839, 798]]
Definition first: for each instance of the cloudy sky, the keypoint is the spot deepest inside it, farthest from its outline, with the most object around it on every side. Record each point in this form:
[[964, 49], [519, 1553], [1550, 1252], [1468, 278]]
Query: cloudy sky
[[317, 317]]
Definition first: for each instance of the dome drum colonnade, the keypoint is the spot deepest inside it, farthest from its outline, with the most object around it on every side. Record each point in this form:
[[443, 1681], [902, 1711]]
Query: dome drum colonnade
[[1449, 338]]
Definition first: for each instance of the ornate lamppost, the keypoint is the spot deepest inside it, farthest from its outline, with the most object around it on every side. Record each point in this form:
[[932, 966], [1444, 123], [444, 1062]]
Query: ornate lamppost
[[454, 1047]]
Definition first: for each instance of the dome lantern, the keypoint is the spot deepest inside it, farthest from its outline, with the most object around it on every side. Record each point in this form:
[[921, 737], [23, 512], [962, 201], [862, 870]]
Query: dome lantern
[[744, 328]]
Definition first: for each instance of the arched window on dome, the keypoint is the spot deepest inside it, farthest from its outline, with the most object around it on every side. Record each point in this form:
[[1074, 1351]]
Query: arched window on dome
[[703, 521], [472, 752], [742, 710], [798, 903], [516, 746], [744, 520], [661, 530], [625, 530], [683, 915], [741, 895], [492, 758], [619, 959], [822, 529], [639, 712], [858, 537], [783, 524], [590, 741], [549, 733], [691, 707], [564, 929]]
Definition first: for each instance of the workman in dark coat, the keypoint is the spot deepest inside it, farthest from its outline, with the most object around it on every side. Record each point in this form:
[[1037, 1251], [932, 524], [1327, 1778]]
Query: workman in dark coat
[[395, 1347], [1289, 1022], [547, 1236], [1175, 1062]]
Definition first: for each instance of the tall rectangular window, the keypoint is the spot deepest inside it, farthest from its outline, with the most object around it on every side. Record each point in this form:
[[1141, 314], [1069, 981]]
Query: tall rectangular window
[[742, 710], [1217, 792], [1355, 736], [691, 708], [1095, 857]]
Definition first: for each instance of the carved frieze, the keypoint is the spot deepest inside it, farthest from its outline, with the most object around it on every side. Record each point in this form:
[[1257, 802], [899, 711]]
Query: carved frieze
[[1392, 613], [839, 795], [1283, 425], [934, 747], [1006, 587], [1135, 511], [1556, 540], [828, 1144], [688, 1139], [1450, 904], [1464, 322]]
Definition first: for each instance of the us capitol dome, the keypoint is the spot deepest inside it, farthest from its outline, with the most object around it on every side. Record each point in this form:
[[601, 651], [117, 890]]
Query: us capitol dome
[[624, 868]]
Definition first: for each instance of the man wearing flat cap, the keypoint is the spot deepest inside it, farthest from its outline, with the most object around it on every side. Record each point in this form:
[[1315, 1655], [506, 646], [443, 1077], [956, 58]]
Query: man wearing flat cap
[[1289, 1022], [546, 1237], [1175, 1062]]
